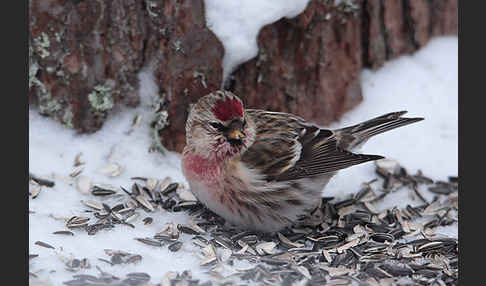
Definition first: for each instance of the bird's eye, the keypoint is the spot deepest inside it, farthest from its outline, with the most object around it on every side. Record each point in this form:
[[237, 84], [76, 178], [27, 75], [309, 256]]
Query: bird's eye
[[218, 126]]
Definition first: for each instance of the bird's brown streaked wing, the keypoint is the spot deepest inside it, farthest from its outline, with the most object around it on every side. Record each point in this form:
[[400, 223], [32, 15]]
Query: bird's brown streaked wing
[[287, 148], [276, 147], [323, 157]]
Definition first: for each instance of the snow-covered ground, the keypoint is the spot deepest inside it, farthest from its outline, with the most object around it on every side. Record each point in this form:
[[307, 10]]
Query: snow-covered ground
[[425, 84]]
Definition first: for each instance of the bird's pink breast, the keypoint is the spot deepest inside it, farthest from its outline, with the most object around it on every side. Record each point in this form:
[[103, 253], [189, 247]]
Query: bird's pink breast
[[200, 169]]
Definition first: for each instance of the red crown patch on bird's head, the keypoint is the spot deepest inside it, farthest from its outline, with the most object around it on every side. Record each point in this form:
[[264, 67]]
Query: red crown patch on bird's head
[[226, 109]]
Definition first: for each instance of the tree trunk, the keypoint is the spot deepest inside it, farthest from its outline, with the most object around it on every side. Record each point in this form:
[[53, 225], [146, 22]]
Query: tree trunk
[[84, 56]]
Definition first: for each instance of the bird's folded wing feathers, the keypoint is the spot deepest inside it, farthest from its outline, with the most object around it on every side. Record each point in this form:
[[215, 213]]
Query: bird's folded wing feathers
[[287, 148]]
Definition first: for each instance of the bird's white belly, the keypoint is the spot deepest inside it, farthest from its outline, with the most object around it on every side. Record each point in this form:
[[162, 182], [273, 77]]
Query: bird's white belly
[[260, 218], [210, 198]]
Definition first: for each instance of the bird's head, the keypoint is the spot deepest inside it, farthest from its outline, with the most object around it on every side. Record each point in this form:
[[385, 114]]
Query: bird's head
[[218, 127]]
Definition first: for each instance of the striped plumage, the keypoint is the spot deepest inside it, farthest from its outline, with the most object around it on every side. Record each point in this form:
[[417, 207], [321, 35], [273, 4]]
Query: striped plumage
[[275, 171]]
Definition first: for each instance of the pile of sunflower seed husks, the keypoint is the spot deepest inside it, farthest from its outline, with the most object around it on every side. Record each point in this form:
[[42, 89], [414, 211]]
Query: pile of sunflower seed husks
[[345, 242]]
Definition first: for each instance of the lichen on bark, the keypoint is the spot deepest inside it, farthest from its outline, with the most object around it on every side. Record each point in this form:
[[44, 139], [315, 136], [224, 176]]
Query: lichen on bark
[[101, 98]]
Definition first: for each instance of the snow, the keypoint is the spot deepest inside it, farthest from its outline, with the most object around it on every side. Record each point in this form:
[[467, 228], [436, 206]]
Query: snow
[[52, 149], [425, 84], [237, 23]]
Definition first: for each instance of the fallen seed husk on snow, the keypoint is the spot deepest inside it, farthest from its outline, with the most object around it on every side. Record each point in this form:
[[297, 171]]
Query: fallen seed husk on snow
[[83, 184], [147, 220], [41, 181], [188, 229], [43, 244], [64, 232], [265, 247], [144, 202], [168, 278], [111, 170], [34, 190], [77, 221], [76, 172], [149, 241], [304, 271], [286, 241], [151, 183], [388, 166], [103, 190], [132, 217], [92, 204], [175, 246], [77, 160], [225, 254], [184, 194], [169, 189]]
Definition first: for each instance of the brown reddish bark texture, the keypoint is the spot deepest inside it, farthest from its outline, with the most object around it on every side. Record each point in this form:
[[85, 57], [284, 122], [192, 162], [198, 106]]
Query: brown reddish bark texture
[[188, 62], [394, 27], [80, 48], [84, 56], [308, 65]]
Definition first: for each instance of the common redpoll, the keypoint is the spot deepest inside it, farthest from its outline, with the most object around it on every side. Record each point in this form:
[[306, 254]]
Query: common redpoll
[[264, 170]]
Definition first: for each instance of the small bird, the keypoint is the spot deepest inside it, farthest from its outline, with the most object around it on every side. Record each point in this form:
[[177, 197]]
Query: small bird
[[264, 170]]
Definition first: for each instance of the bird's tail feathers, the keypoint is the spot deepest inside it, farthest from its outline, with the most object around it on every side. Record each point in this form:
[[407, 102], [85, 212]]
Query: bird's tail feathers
[[354, 136]]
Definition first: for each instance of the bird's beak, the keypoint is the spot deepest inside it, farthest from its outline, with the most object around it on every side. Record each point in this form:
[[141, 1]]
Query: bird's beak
[[235, 134]]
